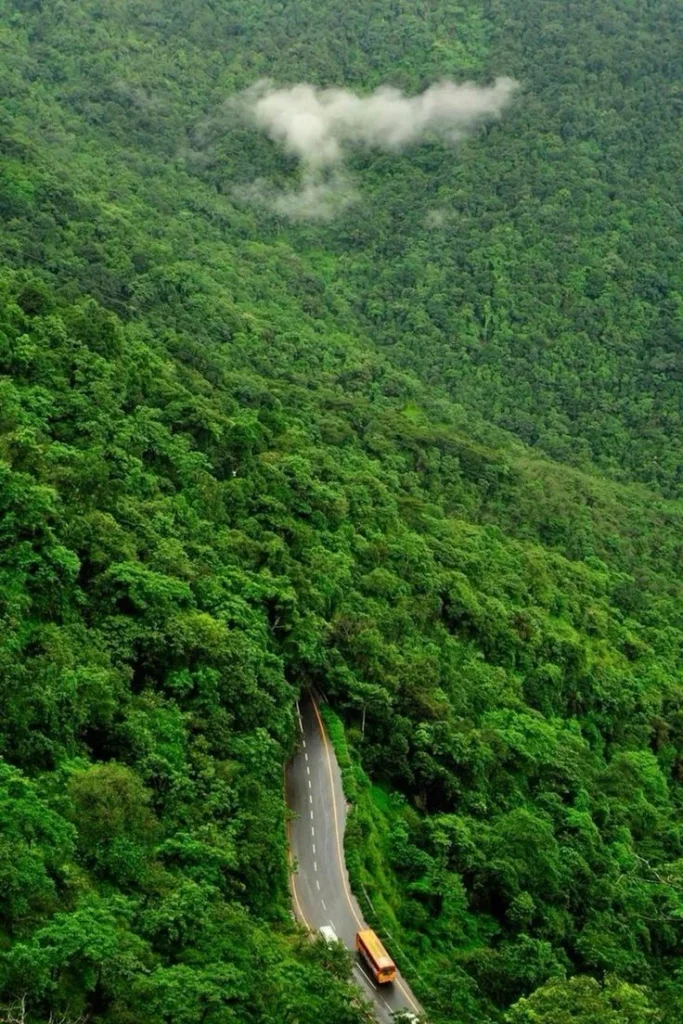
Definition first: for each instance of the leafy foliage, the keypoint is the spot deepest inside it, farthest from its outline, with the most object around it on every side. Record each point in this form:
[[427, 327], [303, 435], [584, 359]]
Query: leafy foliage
[[239, 456]]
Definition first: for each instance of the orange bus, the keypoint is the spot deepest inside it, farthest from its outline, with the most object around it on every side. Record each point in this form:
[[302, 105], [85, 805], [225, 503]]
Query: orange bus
[[375, 955]]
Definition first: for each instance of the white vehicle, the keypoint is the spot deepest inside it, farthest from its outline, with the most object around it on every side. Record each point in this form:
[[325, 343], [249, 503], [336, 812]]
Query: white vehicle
[[328, 933]]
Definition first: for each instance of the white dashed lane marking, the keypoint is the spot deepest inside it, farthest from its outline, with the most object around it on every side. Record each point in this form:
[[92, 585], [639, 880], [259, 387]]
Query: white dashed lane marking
[[324, 904], [314, 849], [318, 884], [315, 865]]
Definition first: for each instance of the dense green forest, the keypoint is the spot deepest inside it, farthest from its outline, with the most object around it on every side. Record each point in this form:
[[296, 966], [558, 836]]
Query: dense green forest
[[426, 456]]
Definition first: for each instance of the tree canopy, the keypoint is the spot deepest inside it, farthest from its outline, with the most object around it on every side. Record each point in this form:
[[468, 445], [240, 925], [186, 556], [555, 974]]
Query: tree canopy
[[425, 457]]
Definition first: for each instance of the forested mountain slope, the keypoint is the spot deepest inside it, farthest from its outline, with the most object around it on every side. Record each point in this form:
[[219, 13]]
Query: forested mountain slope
[[533, 271], [240, 455]]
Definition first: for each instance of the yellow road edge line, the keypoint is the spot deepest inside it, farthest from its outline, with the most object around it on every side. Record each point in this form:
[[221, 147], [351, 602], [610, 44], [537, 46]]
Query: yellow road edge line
[[340, 852], [408, 996], [342, 861]]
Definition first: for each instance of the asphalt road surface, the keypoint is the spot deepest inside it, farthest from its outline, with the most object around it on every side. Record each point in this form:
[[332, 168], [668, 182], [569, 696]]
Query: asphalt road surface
[[320, 885]]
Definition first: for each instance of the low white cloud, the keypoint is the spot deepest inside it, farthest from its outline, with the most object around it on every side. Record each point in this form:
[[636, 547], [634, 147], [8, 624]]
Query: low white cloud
[[318, 126], [315, 197], [436, 218]]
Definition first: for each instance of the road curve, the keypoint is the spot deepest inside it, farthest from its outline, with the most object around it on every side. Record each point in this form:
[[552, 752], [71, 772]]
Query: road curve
[[320, 883]]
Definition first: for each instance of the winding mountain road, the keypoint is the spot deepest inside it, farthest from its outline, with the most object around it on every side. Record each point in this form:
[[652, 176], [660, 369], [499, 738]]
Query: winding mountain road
[[320, 886]]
